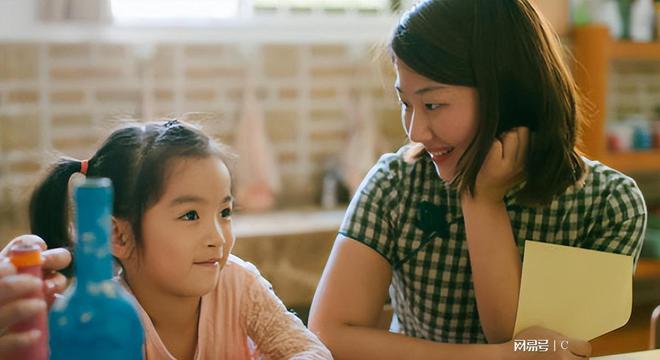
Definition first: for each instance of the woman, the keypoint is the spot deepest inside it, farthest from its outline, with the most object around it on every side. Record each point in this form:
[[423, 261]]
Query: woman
[[492, 115]]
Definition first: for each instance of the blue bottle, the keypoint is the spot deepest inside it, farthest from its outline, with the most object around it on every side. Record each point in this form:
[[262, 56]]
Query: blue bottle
[[96, 318]]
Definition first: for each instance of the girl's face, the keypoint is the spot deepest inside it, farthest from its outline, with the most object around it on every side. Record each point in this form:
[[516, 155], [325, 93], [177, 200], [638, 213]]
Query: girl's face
[[441, 117], [187, 234]]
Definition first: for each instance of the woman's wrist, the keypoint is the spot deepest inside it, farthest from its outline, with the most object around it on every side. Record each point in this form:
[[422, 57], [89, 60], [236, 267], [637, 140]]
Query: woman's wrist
[[505, 351]]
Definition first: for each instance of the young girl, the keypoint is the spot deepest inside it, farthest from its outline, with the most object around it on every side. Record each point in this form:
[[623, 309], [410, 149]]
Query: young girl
[[172, 237], [492, 114]]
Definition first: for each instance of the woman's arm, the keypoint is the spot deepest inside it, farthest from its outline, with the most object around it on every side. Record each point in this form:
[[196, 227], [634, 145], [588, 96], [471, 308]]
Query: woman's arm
[[348, 303], [496, 266], [494, 257]]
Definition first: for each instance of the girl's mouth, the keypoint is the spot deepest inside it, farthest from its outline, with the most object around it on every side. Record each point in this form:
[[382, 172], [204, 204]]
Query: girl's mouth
[[211, 263]]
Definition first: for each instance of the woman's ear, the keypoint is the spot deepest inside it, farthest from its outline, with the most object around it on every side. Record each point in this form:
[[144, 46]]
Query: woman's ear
[[122, 238]]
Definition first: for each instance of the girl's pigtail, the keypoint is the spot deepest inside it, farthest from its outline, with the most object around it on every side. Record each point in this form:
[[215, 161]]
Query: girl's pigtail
[[49, 209]]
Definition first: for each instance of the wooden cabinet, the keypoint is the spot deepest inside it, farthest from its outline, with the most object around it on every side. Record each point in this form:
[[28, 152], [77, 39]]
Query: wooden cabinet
[[593, 51]]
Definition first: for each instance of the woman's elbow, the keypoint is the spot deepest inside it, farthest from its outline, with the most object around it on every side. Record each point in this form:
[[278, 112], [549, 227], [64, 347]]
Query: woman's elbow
[[498, 335], [326, 330], [322, 329]]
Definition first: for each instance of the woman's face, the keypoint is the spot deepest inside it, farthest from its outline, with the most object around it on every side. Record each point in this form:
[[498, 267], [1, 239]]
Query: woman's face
[[441, 117]]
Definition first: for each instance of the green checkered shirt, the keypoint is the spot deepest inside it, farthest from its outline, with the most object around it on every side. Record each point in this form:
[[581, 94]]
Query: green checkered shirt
[[432, 291]]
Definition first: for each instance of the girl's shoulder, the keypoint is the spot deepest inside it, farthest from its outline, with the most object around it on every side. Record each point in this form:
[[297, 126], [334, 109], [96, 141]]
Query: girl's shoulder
[[239, 269], [236, 279]]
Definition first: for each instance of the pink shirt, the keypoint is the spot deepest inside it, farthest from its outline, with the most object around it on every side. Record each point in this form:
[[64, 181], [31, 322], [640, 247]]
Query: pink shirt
[[242, 319]]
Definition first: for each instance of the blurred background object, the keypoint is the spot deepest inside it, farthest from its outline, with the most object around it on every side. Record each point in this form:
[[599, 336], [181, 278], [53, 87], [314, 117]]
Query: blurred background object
[[98, 11], [64, 83], [257, 177]]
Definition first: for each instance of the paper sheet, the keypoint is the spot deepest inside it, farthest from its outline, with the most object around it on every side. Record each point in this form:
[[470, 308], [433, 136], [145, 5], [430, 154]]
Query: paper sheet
[[579, 293], [641, 355]]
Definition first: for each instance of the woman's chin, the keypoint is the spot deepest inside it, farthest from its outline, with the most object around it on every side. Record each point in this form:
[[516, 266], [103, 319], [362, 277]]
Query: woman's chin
[[443, 173]]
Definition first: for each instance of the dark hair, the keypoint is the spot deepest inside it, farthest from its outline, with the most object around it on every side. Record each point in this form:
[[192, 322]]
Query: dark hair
[[510, 55], [135, 157]]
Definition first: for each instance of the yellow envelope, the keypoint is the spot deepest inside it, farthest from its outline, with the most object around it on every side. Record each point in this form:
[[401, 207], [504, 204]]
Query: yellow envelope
[[641, 355], [579, 293]]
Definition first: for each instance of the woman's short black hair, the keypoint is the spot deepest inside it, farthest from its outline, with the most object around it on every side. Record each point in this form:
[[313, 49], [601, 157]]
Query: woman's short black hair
[[507, 51]]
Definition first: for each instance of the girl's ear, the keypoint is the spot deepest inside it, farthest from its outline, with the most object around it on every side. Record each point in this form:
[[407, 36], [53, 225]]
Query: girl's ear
[[122, 238]]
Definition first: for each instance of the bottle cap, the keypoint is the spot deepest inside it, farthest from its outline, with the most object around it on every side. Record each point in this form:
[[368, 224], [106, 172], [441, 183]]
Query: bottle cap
[[22, 255]]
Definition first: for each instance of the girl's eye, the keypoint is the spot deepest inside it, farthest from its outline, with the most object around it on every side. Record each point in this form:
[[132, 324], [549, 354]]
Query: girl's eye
[[433, 106], [190, 216], [226, 213]]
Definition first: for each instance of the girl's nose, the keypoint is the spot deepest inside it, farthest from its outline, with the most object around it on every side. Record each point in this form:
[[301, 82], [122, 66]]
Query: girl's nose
[[217, 236]]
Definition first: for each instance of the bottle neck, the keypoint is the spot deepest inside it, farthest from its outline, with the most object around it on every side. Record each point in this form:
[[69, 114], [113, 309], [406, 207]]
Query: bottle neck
[[93, 260]]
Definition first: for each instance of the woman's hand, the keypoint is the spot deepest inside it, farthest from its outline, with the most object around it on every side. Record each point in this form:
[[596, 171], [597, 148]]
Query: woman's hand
[[13, 309], [13, 287], [503, 166], [557, 346], [54, 260]]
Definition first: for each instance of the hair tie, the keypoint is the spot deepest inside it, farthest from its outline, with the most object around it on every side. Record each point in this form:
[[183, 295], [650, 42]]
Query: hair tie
[[83, 166]]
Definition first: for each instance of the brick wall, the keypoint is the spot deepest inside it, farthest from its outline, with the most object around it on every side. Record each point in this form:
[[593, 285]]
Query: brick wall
[[64, 97]]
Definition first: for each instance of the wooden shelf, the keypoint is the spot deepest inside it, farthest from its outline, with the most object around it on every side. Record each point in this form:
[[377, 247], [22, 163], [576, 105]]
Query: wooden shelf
[[648, 160], [628, 50], [594, 50], [647, 269], [287, 222]]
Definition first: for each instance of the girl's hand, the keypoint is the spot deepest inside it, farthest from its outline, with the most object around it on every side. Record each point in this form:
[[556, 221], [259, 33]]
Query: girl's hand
[[503, 167], [552, 346], [54, 259]]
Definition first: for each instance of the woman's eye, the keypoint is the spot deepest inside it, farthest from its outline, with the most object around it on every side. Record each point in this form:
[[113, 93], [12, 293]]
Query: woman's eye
[[190, 216], [433, 106], [225, 213]]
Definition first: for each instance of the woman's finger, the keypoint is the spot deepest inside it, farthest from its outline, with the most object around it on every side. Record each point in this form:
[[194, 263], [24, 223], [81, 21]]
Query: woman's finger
[[24, 239], [495, 152], [510, 145], [56, 259], [55, 282], [523, 138], [14, 286], [6, 268], [12, 342], [579, 348], [20, 310]]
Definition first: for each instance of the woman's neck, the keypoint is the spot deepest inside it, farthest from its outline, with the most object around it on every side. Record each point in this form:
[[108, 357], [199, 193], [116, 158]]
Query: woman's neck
[[175, 318]]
